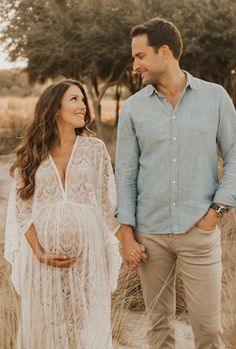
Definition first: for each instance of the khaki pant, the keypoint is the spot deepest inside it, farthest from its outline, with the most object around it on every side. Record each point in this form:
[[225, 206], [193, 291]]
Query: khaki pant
[[199, 259]]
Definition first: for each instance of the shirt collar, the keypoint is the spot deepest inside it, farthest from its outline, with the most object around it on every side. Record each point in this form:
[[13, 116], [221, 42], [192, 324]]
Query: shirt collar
[[191, 82]]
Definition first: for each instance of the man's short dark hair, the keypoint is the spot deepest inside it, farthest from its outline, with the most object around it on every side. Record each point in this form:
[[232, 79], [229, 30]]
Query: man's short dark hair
[[160, 32]]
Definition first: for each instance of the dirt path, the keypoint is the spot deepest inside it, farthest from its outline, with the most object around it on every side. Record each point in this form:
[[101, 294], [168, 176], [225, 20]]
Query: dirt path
[[133, 333]]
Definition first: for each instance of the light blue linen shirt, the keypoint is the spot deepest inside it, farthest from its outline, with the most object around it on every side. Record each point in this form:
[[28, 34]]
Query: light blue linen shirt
[[166, 159]]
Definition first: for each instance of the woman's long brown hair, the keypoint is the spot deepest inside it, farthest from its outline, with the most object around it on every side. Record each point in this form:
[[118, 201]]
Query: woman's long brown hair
[[42, 134]]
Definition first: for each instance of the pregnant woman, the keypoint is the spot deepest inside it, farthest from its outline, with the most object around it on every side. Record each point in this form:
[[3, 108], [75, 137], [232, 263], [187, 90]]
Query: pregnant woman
[[60, 231]]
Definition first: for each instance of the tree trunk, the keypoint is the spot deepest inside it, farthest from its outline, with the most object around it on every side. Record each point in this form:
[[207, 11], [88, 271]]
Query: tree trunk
[[96, 93], [117, 95]]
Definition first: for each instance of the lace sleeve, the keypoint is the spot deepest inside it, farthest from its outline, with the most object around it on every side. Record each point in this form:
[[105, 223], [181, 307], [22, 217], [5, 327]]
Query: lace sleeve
[[110, 224], [16, 246], [19, 219], [23, 208], [108, 194]]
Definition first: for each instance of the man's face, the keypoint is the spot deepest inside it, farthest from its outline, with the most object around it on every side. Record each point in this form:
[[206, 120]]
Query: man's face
[[148, 63]]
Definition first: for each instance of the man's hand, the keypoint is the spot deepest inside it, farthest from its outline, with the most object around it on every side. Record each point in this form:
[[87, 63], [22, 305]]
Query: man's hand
[[209, 221], [133, 252]]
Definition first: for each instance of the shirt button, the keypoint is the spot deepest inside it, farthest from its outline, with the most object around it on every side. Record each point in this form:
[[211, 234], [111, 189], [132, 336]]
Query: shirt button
[[173, 204], [174, 160], [174, 138], [174, 117], [173, 182]]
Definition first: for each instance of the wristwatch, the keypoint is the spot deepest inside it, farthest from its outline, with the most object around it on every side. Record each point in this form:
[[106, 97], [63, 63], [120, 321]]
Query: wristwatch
[[219, 209]]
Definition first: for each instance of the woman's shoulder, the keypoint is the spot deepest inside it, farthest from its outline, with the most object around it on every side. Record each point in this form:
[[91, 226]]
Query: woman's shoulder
[[92, 141], [93, 147]]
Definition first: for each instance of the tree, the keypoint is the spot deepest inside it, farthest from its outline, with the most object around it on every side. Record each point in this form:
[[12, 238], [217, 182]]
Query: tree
[[89, 40], [74, 38], [208, 29], [210, 41]]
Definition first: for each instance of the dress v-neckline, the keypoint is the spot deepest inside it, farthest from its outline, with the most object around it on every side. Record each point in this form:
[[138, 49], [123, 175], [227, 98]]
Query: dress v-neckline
[[63, 187]]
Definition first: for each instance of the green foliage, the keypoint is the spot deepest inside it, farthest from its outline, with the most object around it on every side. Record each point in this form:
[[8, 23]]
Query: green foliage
[[90, 39], [208, 28], [71, 37], [209, 37]]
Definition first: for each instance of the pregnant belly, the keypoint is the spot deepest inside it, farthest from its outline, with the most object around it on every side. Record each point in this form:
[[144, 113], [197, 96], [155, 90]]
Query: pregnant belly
[[65, 230]]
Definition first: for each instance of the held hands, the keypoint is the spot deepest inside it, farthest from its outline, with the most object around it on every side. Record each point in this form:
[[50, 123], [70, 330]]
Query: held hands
[[133, 252], [135, 255], [57, 261], [209, 221]]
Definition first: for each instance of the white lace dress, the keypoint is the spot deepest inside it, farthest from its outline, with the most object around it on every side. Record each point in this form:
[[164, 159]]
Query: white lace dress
[[67, 308]]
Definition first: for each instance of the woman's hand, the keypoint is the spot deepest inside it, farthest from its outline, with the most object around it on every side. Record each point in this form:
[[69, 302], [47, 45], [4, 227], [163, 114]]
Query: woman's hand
[[53, 260], [57, 261]]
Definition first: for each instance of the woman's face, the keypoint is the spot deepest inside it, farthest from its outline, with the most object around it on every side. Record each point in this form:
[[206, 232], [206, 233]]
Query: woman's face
[[73, 109]]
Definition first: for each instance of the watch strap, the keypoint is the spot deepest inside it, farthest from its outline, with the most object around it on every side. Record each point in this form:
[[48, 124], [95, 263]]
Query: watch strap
[[220, 209]]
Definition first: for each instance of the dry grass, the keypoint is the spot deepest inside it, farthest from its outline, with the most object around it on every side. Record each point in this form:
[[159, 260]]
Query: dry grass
[[9, 307], [15, 112], [228, 226], [129, 295], [14, 115], [229, 308]]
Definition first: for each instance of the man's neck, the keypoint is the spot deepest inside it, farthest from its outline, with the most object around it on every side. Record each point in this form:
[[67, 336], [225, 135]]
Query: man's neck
[[172, 83]]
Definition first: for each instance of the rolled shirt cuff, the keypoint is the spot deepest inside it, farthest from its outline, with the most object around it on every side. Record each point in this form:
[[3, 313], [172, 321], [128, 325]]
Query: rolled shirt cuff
[[228, 200], [126, 219]]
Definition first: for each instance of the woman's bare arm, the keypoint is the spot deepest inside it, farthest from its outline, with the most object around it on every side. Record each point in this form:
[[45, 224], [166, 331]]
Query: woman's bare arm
[[53, 260]]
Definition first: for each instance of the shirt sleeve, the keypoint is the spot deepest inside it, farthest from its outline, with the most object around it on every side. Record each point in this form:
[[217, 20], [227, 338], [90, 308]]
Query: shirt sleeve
[[127, 166], [226, 139]]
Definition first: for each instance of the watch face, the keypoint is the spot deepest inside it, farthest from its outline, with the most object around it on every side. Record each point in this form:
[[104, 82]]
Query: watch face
[[222, 211], [219, 209]]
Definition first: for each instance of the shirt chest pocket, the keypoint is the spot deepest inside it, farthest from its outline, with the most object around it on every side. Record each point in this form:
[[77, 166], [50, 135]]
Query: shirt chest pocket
[[153, 130], [201, 121]]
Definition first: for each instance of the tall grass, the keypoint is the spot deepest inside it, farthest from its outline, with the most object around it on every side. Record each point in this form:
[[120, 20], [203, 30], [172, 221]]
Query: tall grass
[[128, 296], [228, 226], [15, 112], [9, 307]]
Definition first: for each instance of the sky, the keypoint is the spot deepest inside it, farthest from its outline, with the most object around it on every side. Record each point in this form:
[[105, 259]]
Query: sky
[[5, 64]]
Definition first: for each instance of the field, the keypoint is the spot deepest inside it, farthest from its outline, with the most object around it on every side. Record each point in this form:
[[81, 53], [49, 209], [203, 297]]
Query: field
[[129, 320]]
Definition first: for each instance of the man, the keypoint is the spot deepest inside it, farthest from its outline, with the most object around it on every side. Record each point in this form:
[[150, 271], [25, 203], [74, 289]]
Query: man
[[169, 194]]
